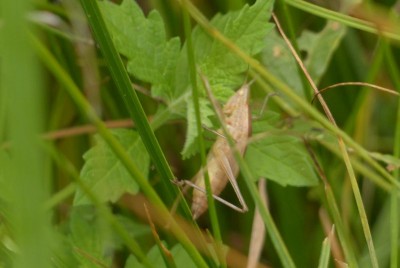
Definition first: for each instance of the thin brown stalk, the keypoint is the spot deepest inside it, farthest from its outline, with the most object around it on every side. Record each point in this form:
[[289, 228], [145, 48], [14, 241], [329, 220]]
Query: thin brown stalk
[[363, 84], [258, 229], [85, 129], [79, 130], [165, 252]]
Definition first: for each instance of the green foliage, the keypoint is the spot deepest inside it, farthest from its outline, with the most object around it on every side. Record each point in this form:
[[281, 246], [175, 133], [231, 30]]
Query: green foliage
[[318, 48], [90, 237], [247, 28], [64, 252], [191, 146], [92, 241], [153, 59], [179, 255], [282, 159], [276, 155], [103, 171], [92, 229]]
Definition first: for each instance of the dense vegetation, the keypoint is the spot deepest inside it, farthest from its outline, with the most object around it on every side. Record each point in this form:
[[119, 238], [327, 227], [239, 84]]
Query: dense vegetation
[[104, 106]]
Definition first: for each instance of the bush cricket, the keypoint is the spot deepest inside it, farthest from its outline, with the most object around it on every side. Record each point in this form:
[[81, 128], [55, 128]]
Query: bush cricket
[[221, 164]]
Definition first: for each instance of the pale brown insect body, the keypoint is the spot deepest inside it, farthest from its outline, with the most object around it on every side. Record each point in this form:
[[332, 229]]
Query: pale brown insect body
[[221, 163]]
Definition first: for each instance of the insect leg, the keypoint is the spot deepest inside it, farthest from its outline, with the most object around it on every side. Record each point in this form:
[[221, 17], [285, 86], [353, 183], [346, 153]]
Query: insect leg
[[219, 199], [264, 105], [184, 190], [228, 170]]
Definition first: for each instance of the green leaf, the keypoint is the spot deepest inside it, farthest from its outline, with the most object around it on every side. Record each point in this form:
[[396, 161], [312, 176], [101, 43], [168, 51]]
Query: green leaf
[[282, 159], [91, 237], [191, 146], [179, 254], [247, 28], [132, 262], [151, 58], [63, 252], [280, 62], [92, 240], [134, 228], [181, 257], [154, 59], [105, 174], [267, 121], [318, 47]]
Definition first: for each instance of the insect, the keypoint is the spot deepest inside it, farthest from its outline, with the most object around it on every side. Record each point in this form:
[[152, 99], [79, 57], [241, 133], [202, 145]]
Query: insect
[[221, 164]]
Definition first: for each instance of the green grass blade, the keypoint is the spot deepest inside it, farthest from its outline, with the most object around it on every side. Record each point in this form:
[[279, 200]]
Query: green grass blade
[[23, 117], [345, 19], [60, 196], [361, 168], [325, 254], [394, 218], [130, 98], [195, 95]]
